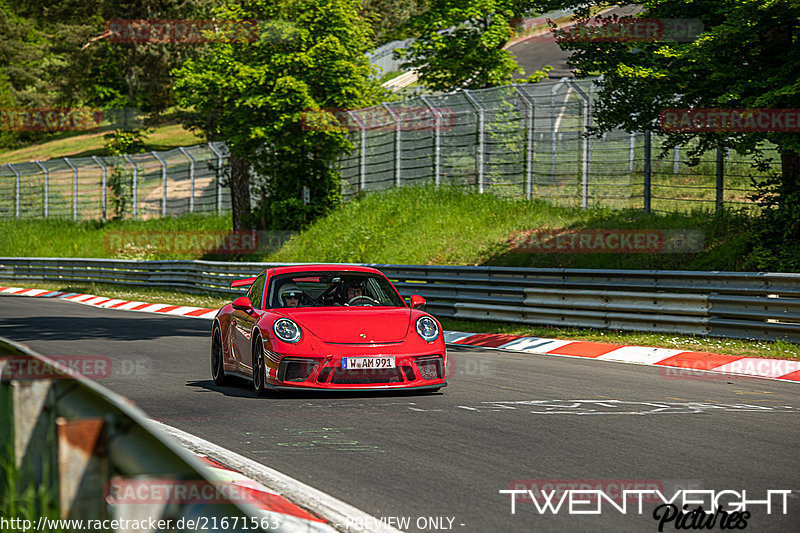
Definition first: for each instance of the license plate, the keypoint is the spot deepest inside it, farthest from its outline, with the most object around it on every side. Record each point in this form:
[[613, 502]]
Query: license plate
[[353, 363]]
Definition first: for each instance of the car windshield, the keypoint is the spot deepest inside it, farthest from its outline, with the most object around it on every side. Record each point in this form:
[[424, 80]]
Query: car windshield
[[331, 289]]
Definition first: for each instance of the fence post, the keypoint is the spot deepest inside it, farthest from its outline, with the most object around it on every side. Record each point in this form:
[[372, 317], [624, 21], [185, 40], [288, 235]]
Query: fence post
[[530, 109], [398, 149], [219, 175], [584, 143], [191, 177], [135, 182], [720, 172], [105, 181], [647, 170], [16, 195], [554, 124], [437, 141], [163, 183], [362, 152], [676, 159], [46, 188], [481, 159], [74, 189], [632, 151]]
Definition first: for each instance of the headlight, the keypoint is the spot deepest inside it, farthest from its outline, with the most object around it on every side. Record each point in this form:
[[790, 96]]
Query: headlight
[[427, 328], [286, 330]]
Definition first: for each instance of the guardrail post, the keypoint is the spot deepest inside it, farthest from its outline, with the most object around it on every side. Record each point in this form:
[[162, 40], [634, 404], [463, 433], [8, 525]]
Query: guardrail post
[[362, 151], [163, 183], [530, 109], [219, 176], [34, 453], [104, 185], [46, 188], [74, 189], [398, 148], [481, 156], [647, 171], [720, 173], [191, 177], [135, 183], [83, 471], [16, 195], [437, 141]]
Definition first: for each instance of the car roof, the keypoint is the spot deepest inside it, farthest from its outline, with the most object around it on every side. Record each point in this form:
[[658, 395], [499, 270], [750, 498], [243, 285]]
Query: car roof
[[295, 269]]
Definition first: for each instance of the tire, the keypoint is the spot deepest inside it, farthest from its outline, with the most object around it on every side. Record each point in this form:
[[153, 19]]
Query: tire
[[217, 365], [259, 368]]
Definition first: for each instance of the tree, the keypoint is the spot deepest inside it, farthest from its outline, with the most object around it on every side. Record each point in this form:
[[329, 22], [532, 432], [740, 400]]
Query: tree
[[748, 57], [460, 44], [256, 96]]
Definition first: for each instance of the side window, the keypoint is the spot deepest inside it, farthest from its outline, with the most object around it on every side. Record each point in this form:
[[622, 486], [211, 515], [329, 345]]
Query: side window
[[256, 291]]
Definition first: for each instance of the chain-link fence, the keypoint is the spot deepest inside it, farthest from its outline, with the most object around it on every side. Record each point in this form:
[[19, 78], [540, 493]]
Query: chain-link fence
[[527, 141], [521, 141], [152, 184]]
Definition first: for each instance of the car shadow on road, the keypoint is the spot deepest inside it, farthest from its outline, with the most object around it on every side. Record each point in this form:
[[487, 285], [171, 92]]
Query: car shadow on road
[[240, 388]]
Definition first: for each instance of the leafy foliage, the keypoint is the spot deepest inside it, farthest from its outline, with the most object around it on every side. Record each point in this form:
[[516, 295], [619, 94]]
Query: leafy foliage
[[747, 57], [310, 57]]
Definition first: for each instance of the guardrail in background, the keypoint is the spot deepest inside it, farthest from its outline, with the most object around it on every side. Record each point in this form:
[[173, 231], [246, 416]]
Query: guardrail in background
[[726, 304], [72, 437]]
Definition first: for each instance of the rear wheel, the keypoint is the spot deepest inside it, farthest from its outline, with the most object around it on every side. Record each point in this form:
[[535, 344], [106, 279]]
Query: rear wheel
[[217, 366], [259, 368]]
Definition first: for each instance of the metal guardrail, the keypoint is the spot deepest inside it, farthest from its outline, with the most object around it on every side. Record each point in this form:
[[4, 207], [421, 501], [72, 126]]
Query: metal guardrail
[[70, 437], [725, 304]]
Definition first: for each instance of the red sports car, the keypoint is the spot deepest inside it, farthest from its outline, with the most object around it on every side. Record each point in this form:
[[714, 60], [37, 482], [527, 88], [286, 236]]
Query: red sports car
[[332, 327]]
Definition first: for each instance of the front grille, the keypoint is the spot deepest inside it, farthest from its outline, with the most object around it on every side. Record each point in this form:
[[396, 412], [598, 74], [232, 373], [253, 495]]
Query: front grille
[[430, 367], [372, 375], [296, 369]]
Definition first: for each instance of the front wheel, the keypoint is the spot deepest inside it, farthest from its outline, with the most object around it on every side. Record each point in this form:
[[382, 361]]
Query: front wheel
[[259, 368], [217, 365]]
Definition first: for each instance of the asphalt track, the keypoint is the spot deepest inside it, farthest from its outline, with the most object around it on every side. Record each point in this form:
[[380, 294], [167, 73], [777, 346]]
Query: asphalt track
[[448, 454]]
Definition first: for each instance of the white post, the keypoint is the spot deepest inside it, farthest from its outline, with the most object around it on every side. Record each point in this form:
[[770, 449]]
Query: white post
[[676, 159], [481, 140], [398, 148], [437, 141], [105, 184], [554, 125], [16, 173], [46, 188], [135, 183], [163, 183], [219, 175], [74, 189], [633, 153], [191, 177]]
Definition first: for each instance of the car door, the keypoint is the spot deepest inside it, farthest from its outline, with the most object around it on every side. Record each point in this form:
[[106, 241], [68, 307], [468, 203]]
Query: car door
[[243, 322]]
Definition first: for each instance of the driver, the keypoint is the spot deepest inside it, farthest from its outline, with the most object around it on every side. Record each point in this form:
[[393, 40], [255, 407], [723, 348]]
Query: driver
[[291, 295], [354, 291]]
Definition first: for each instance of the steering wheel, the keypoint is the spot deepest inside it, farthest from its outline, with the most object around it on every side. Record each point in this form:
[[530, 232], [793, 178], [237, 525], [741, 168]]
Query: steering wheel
[[369, 301]]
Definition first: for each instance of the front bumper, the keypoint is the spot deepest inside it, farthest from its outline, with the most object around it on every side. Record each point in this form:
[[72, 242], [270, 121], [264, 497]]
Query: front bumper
[[426, 371]]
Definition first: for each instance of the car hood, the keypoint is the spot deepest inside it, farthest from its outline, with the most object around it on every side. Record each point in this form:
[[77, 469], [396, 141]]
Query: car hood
[[354, 325]]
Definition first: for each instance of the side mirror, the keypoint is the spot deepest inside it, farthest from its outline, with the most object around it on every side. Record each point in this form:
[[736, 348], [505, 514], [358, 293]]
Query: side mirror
[[243, 303], [417, 302]]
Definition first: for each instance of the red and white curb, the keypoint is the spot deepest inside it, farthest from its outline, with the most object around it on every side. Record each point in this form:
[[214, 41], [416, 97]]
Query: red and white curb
[[699, 362], [111, 303]]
